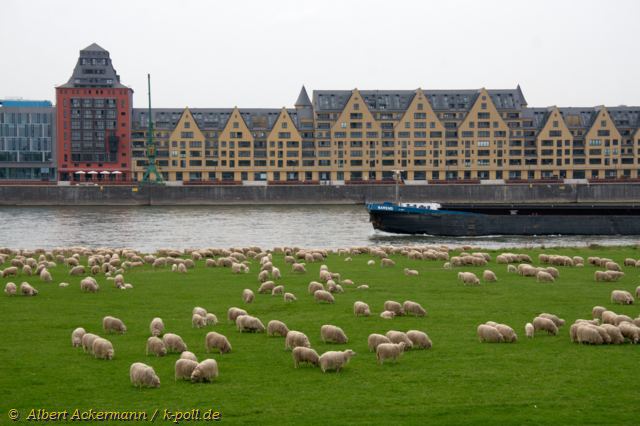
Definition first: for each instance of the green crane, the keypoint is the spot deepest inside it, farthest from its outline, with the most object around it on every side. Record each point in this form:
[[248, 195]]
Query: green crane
[[151, 147]]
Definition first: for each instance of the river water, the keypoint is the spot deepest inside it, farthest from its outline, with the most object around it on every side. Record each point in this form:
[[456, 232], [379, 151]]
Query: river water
[[149, 228]]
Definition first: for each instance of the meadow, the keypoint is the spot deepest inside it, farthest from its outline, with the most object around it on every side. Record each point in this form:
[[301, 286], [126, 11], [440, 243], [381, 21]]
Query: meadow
[[544, 380]]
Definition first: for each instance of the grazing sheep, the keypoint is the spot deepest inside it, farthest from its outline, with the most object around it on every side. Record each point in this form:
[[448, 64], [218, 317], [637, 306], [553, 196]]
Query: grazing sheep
[[332, 334], [217, 341], [277, 290], [102, 348], [314, 286], [512, 269], [174, 343], [608, 317], [544, 277], [46, 276], [199, 311], [277, 328], [27, 290], [489, 334], [375, 339], [266, 287], [76, 337], [295, 339], [10, 271], [621, 297], [468, 278], [386, 262], [389, 351], [540, 323], [393, 306], [597, 311], [371, 262], [361, 308], [188, 355], [182, 268], [184, 368], [87, 342], [552, 271], [398, 336], [410, 307], [419, 339], [387, 314], [335, 360], [89, 285], [410, 272], [263, 276], [247, 295], [112, 324], [250, 324], [290, 297], [63, 285], [615, 335], [205, 371], [612, 266], [211, 319], [198, 321], [630, 331], [302, 354], [363, 287], [233, 313], [557, 321], [156, 327], [10, 289], [622, 318], [529, 330], [156, 346], [323, 296], [143, 375], [77, 270], [489, 276], [586, 333], [507, 332], [298, 268]]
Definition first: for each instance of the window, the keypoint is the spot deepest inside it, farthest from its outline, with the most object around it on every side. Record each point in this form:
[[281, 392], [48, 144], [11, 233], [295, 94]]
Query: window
[[236, 125], [284, 125], [483, 143], [419, 115], [595, 142], [187, 125]]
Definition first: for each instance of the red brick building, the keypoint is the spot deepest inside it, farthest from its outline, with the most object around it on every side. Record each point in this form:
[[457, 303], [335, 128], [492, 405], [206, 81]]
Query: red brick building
[[93, 117]]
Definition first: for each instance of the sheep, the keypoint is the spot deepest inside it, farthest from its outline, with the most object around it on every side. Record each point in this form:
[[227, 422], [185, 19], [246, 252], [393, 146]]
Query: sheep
[[87, 342], [266, 287], [363, 287], [174, 343], [557, 321], [335, 360], [468, 278], [302, 354], [76, 337], [290, 297], [184, 368], [371, 262], [298, 268], [217, 341], [389, 351], [612, 266], [102, 348], [621, 297], [77, 270], [289, 259], [630, 331], [205, 371], [386, 262], [410, 307], [398, 336], [410, 272], [198, 321], [614, 275], [393, 306], [507, 333], [387, 314], [233, 313], [188, 355], [615, 335], [89, 285], [629, 262], [529, 330], [112, 324], [143, 375], [540, 323], [544, 277], [10, 289], [314, 286], [552, 271], [622, 318], [156, 327], [608, 317], [512, 269], [361, 308], [250, 324], [489, 334], [597, 311], [181, 269], [489, 276], [199, 311], [63, 285], [332, 334], [588, 334], [295, 339], [27, 290], [277, 290], [46, 276], [277, 328], [375, 339], [263, 276], [156, 346], [323, 296], [419, 339], [211, 319]]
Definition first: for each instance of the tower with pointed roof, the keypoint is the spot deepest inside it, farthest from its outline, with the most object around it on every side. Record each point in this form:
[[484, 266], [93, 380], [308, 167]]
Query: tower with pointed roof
[[93, 118]]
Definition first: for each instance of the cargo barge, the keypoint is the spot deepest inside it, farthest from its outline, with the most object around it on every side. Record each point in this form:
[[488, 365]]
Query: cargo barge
[[463, 220]]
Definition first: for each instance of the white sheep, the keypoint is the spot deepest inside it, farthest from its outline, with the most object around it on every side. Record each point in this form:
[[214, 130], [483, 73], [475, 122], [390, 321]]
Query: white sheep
[[411, 272], [250, 324], [414, 308], [630, 331], [386, 262], [277, 328], [205, 371], [393, 306], [211, 319], [263, 276], [266, 287], [323, 296], [375, 339], [314, 286], [184, 368], [198, 321], [77, 270], [544, 277], [296, 338], [468, 278], [511, 269], [156, 327], [199, 311], [188, 355], [233, 313], [27, 290], [361, 308], [76, 337], [102, 348], [277, 290], [597, 311], [371, 262], [143, 375], [174, 343], [112, 324], [507, 332], [298, 267], [156, 346], [387, 314], [389, 351], [63, 285], [87, 342], [419, 339], [217, 341], [289, 297], [10, 289], [335, 360], [615, 335], [529, 330], [363, 287], [489, 276], [588, 334], [621, 297], [302, 354], [399, 336], [89, 285], [489, 334], [332, 334], [545, 324], [45, 276], [557, 321]]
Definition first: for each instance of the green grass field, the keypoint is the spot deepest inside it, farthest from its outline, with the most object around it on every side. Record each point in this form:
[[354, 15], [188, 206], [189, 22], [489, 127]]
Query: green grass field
[[546, 380]]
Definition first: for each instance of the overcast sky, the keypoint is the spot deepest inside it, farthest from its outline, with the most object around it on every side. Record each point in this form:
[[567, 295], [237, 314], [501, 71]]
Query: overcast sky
[[259, 53]]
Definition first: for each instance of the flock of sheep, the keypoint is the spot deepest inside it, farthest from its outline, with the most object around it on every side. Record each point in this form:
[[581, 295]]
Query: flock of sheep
[[114, 264]]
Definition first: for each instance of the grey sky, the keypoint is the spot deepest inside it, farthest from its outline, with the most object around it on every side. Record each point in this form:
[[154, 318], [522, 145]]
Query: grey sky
[[259, 53]]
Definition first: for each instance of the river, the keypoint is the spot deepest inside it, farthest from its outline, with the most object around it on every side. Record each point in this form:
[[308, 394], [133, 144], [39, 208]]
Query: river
[[149, 228]]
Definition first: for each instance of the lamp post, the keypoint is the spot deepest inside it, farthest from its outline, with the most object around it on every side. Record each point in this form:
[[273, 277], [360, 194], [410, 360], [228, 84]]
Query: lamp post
[[397, 175]]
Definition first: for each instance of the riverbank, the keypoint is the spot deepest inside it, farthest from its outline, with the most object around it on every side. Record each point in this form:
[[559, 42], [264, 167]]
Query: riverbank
[[33, 195]]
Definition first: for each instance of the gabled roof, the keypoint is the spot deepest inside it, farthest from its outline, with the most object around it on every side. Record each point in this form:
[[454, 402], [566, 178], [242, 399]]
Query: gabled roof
[[93, 47], [94, 69]]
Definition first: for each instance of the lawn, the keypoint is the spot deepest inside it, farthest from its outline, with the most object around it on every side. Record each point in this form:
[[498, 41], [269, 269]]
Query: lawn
[[545, 380]]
